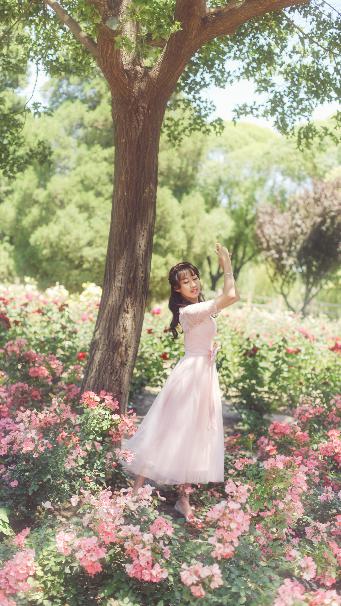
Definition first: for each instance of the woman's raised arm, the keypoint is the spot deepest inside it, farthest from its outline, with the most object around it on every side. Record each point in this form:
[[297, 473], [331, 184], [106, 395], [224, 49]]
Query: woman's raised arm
[[230, 293]]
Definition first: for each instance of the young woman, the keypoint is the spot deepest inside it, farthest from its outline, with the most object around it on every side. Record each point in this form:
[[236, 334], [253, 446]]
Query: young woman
[[181, 438]]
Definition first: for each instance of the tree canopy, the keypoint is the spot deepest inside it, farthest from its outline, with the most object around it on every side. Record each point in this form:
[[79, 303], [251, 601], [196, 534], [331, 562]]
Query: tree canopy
[[292, 56]]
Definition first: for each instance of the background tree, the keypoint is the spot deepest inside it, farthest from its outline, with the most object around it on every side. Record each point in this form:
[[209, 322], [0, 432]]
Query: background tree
[[56, 213], [15, 154], [143, 49], [303, 241]]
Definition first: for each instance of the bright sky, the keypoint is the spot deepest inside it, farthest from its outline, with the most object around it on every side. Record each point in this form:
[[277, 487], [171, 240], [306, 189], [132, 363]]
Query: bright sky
[[244, 91]]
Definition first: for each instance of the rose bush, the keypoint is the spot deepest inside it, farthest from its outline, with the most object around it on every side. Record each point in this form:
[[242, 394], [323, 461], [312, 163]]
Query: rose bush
[[72, 531]]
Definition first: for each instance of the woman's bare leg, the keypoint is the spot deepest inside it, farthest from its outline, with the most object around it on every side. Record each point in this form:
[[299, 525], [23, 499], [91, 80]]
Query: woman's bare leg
[[183, 498], [139, 481]]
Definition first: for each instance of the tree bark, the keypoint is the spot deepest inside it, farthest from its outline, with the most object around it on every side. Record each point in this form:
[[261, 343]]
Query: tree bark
[[113, 350]]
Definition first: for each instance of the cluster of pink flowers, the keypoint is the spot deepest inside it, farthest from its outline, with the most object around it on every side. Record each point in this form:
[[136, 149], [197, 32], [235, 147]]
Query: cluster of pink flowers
[[126, 425], [122, 424], [74, 454], [308, 335], [92, 400], [332, 448], [306, 567], [40, 372], [20, 538], [266, 447], [291, 431], [200, 578], [231, 522], [105, 517], [311, 407], [291, 504], [329, 494], [15, 574], [25, 431], [316, 531], [237, 491], [292, 592], [44, 366], [15, 347], [87, 550], [161, 527], [16, 395], [242, 462], [141, 548], [305, 412], [125, 454], [279, 461], [17, 436]]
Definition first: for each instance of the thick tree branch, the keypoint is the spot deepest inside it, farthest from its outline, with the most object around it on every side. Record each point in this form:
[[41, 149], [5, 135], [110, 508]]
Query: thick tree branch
[[200, 25], [181, 45], [74, 27], [108, 57], [226, 19], [107, 8], [110, 61], [102, 7]]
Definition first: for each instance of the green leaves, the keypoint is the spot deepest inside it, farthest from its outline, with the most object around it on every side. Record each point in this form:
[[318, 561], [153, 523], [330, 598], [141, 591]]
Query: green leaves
[[5, 527]]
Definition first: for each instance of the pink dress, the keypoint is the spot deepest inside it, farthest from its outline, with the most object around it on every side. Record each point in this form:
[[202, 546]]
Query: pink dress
[[181, 438]]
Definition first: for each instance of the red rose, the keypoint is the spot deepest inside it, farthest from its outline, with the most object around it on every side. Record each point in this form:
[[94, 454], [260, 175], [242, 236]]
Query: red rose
[[165, 356], [81, 355], [336, 347], [251, 352]]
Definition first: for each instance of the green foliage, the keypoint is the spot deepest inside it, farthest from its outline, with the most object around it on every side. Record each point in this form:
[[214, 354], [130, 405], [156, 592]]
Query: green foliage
[[5, 527], [291, 56], [15, 152], [292, 70], [55, 217], [155, 21], [63, 210], [169, 240]]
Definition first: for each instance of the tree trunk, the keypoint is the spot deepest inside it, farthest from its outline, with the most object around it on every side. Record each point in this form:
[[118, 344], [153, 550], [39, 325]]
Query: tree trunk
[[114, 346]]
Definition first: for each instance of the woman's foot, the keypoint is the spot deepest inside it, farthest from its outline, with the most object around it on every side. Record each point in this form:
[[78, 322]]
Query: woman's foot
[[183, 506], [139, 481]]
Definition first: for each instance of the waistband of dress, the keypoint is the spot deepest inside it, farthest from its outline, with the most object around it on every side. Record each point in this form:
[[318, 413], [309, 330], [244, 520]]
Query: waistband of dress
[[196, 353]]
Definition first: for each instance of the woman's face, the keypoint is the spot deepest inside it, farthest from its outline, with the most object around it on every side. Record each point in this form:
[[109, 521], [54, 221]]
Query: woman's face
[[189, 286]]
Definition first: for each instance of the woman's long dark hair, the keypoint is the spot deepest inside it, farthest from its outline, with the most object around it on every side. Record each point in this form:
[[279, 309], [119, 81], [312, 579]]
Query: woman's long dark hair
[[176, 300]]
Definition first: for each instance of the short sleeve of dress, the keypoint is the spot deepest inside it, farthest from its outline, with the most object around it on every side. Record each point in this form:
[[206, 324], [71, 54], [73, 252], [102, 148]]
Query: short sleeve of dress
[[195, 313]]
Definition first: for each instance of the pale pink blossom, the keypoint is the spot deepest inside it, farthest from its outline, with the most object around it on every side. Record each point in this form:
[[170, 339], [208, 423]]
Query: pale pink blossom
[[160, 527], [16, 572], [64, 541]]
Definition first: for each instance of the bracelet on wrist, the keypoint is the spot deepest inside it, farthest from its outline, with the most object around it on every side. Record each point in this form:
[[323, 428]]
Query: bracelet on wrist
[[228, 273]]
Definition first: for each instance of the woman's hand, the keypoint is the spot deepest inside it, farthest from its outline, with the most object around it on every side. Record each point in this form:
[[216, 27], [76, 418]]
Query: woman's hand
[[223, 256]]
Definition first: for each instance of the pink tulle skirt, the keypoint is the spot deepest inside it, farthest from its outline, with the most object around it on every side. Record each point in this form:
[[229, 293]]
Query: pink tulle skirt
[[181, 438]]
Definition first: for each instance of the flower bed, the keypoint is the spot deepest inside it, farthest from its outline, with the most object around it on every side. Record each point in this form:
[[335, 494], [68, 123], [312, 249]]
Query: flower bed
[[74, 534]]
